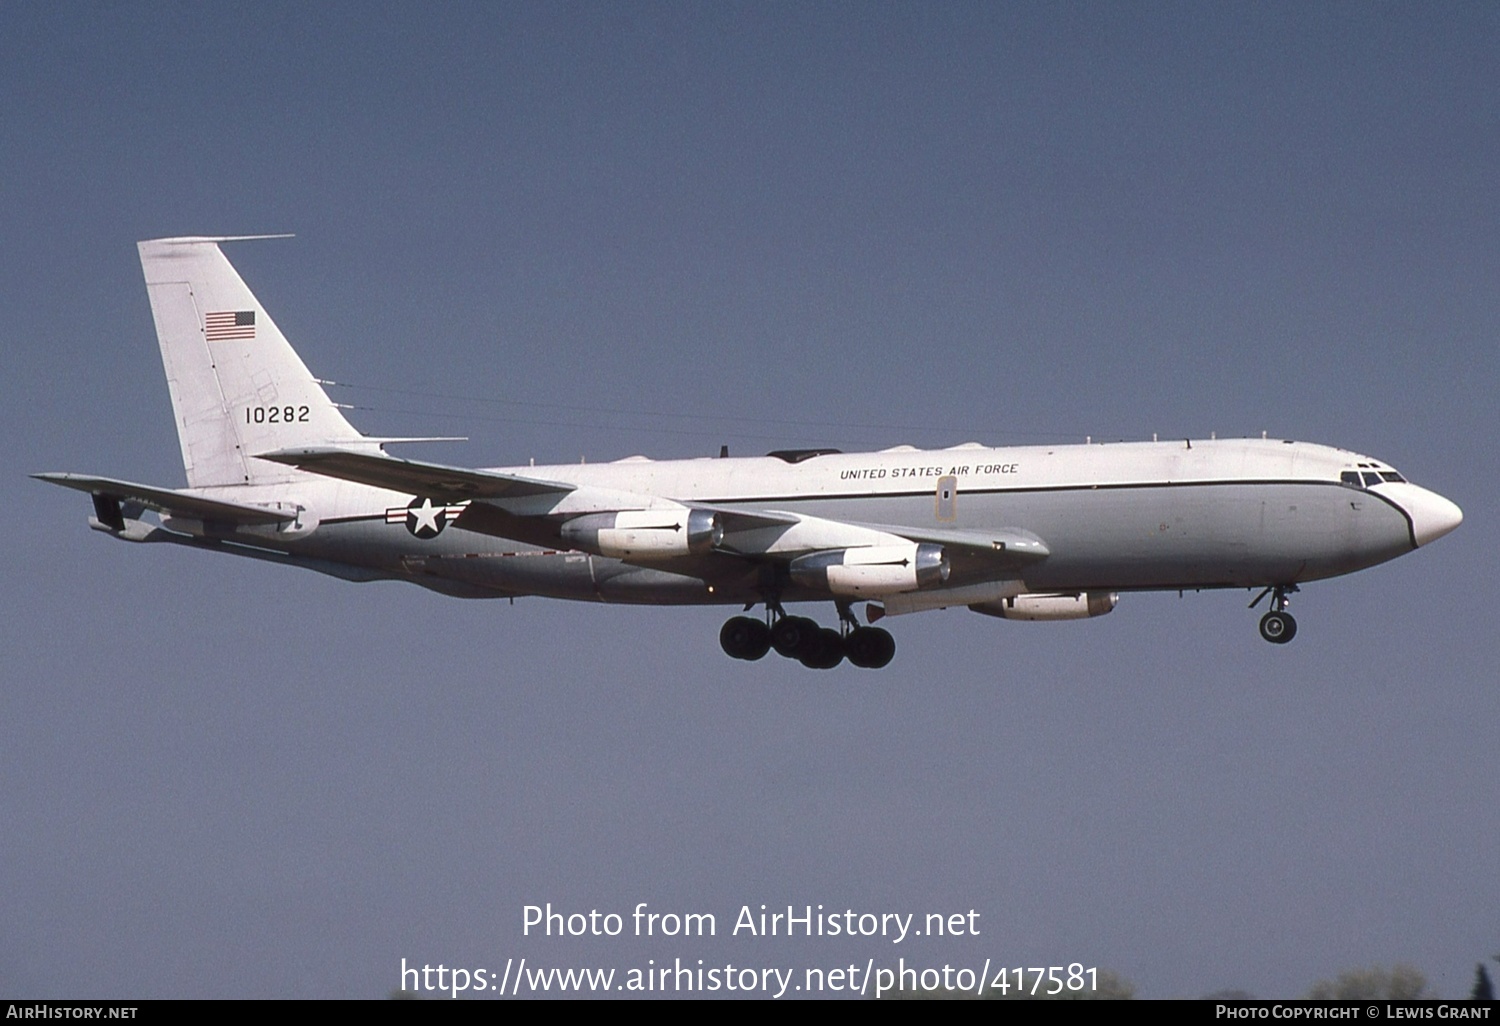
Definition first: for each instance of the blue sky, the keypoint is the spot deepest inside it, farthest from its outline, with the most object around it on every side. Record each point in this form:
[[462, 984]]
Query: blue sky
[[586, 231]]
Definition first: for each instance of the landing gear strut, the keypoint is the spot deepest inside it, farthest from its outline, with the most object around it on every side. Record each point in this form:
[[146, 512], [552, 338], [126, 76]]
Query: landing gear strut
[[1277, 626], [799, 638]]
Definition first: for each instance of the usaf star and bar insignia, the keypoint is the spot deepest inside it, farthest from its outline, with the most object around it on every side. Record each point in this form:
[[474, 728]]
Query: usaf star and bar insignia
[[423, 518]]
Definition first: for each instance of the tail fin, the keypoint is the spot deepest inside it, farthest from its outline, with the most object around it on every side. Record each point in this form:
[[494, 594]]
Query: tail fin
[[238, 388]]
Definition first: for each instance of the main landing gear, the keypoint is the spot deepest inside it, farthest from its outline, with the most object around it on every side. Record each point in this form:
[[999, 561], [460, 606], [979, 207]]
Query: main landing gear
[[799, 638], [1277, 626]]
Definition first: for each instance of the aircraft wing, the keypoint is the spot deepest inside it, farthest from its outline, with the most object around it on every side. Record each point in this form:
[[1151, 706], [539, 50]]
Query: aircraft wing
[[748, 532], [165, 500], [973, 555], [414, 478]]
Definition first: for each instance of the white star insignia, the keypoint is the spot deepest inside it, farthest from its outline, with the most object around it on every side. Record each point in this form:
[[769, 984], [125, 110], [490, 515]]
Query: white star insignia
[[426, 516]]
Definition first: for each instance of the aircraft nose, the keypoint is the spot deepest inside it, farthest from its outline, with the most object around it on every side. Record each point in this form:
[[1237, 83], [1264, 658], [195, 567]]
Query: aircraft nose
[[1432, 516]]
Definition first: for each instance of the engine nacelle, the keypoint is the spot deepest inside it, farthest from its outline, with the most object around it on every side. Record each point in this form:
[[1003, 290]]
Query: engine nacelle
[[645, 533], [1072, 606], [872, 570]]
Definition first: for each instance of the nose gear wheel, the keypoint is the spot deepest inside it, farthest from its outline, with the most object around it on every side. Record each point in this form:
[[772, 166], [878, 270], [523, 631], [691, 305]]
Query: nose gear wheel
[[1277, 626]]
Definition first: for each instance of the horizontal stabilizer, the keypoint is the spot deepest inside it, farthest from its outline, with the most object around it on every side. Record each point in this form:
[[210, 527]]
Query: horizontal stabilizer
[[198, 240], [165, 500], [413, 478]]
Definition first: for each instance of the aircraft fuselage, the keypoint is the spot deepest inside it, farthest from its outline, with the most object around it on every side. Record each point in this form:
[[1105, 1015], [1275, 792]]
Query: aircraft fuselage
[[1115, 517]]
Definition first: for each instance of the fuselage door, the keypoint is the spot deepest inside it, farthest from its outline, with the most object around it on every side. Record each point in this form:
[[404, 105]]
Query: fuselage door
[[947, 499]]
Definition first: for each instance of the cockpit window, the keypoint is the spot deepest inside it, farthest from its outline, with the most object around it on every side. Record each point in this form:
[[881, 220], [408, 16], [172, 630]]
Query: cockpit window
[[1366, 478]]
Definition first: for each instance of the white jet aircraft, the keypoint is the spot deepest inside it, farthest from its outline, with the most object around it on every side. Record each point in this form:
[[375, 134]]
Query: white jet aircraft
[[1049, 532]]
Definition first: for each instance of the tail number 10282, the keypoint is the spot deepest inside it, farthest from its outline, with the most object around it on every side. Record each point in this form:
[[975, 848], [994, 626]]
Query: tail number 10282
[[275, 414]]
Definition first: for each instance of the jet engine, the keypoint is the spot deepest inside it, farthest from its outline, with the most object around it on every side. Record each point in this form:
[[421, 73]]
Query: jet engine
[[645, 533], [1072, 606], [873, 569]]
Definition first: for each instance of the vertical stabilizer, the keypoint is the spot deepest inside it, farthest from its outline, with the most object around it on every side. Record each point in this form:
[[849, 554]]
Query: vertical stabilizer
[[238, 388]]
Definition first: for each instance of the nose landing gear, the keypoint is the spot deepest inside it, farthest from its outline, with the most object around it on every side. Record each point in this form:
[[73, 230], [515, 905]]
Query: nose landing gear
[[1277, 626]]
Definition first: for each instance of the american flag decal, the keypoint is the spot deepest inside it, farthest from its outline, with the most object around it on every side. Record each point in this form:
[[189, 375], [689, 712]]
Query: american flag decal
[[230, 324]]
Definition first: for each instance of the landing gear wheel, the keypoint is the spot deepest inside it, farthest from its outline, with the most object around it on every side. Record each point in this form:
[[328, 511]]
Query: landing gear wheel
[[825, 650], [744, 637], [1278, 628], [870, 647], [794, 636]]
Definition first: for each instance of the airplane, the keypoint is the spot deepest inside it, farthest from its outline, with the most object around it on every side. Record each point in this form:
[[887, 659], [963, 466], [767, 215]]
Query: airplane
[[1040, 532]]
